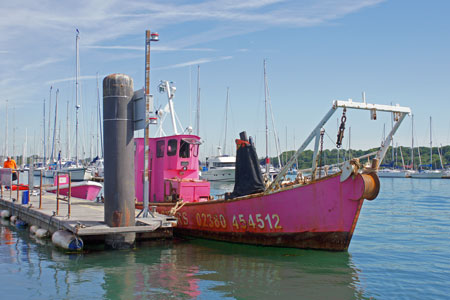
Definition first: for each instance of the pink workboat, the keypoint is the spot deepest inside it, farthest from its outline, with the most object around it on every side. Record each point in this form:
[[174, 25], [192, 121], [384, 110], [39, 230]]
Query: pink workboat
[[317, 212], [88, 190]]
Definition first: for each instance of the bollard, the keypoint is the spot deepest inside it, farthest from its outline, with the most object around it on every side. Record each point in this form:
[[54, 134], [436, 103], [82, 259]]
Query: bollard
[[119, 157]]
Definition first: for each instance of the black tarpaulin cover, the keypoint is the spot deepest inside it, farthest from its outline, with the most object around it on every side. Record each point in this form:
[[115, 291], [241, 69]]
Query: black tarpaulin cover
[[248, 178]]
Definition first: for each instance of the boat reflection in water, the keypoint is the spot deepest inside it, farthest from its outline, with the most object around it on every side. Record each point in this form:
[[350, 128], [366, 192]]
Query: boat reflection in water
[[195, 269]]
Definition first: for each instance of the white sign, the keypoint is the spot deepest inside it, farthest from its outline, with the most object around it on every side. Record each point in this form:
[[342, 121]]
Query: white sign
[[6, 177]]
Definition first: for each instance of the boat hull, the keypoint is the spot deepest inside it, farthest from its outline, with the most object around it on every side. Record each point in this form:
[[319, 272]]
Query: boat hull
[[76, 174], [427, 175], [392, 174], [84, 190], [319, 215]]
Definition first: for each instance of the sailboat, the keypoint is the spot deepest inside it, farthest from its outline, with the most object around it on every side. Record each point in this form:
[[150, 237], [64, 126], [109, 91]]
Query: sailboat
[[221, 167], [77, 171], [428, 173]]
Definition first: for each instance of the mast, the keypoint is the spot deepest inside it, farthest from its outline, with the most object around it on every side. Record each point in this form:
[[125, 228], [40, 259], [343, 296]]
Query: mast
[[54, 126], [100, 131], [49, 118], [6, 130], [431, 148], [226, 123], [77, 106], [14, 132], [267, 126], [24, 154], [198, 101], [68, 133], [412, 142], [44, 137]]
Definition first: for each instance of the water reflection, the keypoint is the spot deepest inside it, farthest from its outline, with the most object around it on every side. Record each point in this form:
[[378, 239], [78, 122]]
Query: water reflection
[[195, 269]]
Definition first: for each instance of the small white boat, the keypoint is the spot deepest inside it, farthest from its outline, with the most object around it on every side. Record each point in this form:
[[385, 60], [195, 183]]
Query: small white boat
[[430, 174], [220, 168], [77, 173], [392, 173]]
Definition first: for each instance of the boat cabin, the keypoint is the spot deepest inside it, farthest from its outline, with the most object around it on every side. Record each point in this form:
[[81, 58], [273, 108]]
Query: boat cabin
[[173, 169]]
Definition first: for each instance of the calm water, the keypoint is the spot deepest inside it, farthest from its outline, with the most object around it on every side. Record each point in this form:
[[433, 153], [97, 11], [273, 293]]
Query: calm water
[[400, 250]]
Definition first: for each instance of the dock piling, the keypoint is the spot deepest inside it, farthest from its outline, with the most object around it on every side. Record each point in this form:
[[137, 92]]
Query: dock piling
[[119, 157]]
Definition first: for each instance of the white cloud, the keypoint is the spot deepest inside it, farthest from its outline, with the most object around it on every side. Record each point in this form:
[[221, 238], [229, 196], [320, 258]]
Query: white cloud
[[194, 62], [84, 77], [41, 63], [154, 48]]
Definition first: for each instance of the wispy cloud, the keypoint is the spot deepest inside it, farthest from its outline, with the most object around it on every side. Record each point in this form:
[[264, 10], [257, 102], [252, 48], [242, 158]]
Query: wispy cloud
[[194, 62], [84, 77], [41, 63], [142, 48]]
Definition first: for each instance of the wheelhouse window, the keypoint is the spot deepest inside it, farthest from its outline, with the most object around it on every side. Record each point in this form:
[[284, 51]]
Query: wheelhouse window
[[172, 147], [184, 149], [160, 149]]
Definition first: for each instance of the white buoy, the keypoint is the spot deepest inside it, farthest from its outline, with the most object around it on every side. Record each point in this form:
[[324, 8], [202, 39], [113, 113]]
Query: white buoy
[[33, 229], [42, 233], [13, 219], [67, 240], [5, 214]]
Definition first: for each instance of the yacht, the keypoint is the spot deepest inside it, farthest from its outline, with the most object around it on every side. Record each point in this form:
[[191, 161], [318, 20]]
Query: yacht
[[219, 168]]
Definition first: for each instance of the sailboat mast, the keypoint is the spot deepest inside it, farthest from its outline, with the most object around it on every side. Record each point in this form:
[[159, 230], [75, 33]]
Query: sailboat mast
[[267, 125], [24, 154], [54, 125], [6, 130], [431, 147], [44, 136], [198, 101], [100, 131], [226, 123], [77, 106], [49, 119], [68, 133], [412, 141]]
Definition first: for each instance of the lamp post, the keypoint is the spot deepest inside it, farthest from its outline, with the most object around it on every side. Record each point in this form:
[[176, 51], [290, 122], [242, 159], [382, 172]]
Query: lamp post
[[149, 37]]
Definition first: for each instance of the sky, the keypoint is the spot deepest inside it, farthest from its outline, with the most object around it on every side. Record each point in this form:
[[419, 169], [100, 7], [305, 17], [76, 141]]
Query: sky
[[315, 51]]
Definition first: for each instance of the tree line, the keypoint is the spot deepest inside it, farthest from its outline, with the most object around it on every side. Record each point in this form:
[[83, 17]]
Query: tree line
[[329, 157]]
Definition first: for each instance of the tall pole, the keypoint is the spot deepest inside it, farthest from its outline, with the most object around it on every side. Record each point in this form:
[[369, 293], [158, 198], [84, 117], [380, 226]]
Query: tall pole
[[99, 120], [68, 133], [49, 118], [431, 147], [77, 106], [146, 130], [54, 125], [44, 144], [6, 130], [226, 123], [198, 101], [267, 125], [412, 141]]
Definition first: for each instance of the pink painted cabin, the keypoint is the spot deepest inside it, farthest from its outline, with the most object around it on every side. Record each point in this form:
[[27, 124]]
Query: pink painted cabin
[[173, 169]]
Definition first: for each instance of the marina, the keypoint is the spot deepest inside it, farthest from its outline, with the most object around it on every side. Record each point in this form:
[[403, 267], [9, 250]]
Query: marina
[[397, 250], [126, 175]]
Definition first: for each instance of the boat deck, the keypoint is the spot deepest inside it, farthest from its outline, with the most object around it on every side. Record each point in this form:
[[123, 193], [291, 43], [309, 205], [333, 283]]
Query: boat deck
[[86, 217]]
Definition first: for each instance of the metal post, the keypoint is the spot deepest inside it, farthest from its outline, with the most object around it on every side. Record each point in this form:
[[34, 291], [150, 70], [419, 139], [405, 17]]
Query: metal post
[[69, 195], [18, 182], [146, 130], [57, 193], [40, 189]]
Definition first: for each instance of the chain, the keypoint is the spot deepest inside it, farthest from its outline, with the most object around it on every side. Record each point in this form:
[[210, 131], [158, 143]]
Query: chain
[[340, 135], [322, 132]]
